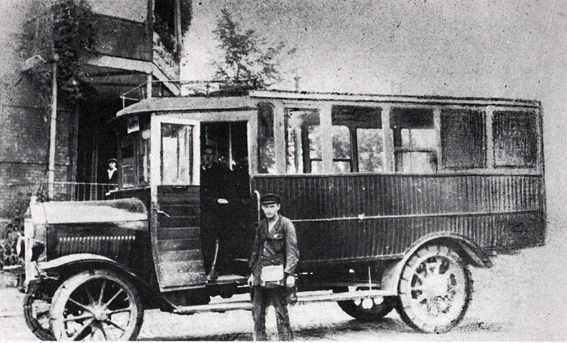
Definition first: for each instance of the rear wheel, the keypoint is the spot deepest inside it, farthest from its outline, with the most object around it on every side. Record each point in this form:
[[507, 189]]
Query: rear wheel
[[97, 305], [434, 290], [369, 309]]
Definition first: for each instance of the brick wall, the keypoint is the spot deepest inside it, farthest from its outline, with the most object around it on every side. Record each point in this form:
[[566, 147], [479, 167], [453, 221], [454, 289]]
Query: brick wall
[[24, 121]]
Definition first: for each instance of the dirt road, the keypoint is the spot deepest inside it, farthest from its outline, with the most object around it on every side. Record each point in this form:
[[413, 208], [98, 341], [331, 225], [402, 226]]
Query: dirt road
[[523, 297]]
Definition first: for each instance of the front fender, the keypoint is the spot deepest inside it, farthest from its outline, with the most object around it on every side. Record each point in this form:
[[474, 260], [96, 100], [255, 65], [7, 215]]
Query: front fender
[[470, 251], [53, 273], [71, 264]]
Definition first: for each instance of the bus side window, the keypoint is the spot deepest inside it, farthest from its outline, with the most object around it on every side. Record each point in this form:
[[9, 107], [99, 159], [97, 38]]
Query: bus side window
[[128, 158], [414, 140], [303, 141], [176, 154], [515, 139], [463, 139], [370, 150], [357, 139], [266, 145], [342, 150]]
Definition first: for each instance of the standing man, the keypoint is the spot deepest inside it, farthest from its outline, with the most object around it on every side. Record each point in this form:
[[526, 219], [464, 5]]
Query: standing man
[[275, 245], [216, 190]]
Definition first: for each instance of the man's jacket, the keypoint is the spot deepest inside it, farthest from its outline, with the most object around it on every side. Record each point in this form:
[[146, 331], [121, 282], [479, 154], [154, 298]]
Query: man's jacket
[[274, 248]]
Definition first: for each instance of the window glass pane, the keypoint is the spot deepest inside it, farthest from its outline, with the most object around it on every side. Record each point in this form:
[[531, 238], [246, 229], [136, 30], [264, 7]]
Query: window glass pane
[[463, 139], [303, 141], [128, 167], [341, 167], [415, 162], [341, 142], [515, 139], [418, 139], [415, 140], [176, 151], [316, 167], [266, 146], [315, 141], [144, 158], [370, 150], [341, 149]]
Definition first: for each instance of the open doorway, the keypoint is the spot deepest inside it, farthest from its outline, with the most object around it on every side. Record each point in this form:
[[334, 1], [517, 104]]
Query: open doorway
[[225, 197]]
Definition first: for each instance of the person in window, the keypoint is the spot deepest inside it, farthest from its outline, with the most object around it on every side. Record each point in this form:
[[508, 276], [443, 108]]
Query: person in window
[[275, 245], [112, 174], [216, 194]]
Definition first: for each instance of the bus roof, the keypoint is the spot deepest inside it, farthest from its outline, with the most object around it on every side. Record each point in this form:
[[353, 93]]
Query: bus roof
[[360, 97], [248, 102]]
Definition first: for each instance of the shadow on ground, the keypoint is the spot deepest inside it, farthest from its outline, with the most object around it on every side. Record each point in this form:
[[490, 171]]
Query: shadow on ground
[[387, 326]]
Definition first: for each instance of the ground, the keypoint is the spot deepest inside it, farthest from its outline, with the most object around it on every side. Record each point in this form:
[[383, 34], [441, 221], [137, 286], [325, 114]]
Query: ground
[[521, 298]]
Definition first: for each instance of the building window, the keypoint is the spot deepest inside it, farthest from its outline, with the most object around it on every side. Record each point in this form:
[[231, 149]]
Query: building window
[[515, 139], [463, 139]]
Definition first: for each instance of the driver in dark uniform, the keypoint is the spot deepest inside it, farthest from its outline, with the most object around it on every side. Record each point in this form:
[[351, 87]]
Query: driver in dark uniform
[[216, 192]]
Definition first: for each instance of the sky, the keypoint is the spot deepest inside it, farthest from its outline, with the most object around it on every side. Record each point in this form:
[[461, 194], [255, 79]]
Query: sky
[[484, 48], [499, 48]]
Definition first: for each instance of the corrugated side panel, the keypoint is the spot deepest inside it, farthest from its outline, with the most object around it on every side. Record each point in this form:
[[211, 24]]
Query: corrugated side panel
[[178, 238], [359, 216]]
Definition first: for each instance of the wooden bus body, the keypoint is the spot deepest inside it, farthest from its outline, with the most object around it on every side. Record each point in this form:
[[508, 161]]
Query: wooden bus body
[[392, 197]]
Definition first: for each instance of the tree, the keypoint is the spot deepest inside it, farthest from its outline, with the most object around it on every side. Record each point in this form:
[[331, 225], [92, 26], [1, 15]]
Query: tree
[[246, 56]]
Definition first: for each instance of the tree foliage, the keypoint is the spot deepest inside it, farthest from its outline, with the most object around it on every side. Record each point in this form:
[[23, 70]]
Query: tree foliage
[[63, 29], [246, 56]]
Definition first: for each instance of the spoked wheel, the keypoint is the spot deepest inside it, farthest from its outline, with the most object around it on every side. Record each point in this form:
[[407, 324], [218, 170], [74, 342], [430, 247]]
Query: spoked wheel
[[36, 314], [369, 309], [435, 289], [96, 305]]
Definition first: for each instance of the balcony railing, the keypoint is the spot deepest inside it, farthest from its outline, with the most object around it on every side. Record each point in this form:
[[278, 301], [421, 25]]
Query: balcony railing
[[159, 89], [62, 191]]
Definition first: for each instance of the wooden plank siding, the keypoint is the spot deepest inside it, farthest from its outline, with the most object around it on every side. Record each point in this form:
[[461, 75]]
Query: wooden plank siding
[[178, 236], [358, 216]]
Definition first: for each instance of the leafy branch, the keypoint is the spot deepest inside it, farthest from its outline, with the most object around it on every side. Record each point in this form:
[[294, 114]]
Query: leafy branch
[[58, 31], [246, 56]]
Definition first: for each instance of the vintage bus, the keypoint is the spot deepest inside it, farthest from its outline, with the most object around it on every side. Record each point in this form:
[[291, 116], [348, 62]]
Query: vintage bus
[[393, 199]]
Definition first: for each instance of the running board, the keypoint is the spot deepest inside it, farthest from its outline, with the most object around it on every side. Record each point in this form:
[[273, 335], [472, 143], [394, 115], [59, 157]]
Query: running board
[[302, 298]]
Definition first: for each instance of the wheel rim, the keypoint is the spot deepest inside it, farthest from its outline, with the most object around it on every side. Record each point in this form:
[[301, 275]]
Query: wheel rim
[[37, 316], [438, 290], [98, 309]]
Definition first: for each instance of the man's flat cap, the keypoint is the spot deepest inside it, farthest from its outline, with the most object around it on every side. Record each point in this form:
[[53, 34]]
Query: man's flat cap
[[270, 198], [112, 160]]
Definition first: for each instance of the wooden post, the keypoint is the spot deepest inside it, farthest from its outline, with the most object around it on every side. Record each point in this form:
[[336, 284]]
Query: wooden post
[[387, 140], [53, 131]]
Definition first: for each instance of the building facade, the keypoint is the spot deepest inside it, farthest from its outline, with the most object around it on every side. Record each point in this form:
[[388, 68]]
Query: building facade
[[137, 42]]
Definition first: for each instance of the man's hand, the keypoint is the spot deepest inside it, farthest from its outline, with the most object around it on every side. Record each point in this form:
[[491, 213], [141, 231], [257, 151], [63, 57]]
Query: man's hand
[[290, 281], [251, 280], [222, 201]]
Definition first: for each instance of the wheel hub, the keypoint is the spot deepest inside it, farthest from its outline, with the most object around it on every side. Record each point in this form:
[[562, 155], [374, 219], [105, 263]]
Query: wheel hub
[[367, 303], [100, 314], [436, 286]]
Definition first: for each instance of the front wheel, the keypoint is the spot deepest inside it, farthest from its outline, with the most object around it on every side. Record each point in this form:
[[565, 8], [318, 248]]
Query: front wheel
[[434, 290], [36, 314], [96, 305]]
